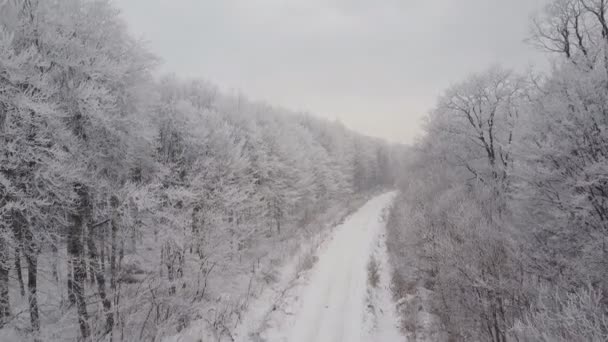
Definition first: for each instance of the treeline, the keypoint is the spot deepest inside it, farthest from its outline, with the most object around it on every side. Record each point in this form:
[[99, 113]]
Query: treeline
[[120, 194], [504, 202]]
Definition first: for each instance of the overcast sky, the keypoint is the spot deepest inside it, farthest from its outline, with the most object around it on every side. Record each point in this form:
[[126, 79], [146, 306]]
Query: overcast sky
[[375, 65]]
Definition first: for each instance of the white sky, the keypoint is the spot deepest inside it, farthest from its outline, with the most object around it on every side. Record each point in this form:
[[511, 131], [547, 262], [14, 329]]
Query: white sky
[[376, 65]]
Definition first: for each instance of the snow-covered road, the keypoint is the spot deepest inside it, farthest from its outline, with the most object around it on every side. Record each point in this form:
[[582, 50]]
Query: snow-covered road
[[334, 302]]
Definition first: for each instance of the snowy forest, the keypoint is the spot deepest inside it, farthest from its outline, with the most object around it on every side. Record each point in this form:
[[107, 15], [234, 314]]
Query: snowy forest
[[501, 227], [130, 204], [142, 206]]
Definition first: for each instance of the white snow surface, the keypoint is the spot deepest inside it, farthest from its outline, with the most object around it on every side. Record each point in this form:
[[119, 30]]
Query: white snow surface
[[334, 301]]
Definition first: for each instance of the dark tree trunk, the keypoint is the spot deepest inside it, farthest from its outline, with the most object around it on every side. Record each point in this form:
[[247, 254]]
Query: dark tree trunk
[[90, 268], [78, 287], [18, 227], [113, 254], [101, 281], [75, 254], [4, 269], [55, 266], [121, 253], [32, 286], [195, 228], [278, 225], [70, 280], [278, 217], [2, 116], [18, 268], [102, 248], [27, 245], [114, 203], [113, 241], [4, 276]]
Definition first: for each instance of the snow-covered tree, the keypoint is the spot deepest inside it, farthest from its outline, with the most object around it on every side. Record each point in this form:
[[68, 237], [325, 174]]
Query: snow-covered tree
[[128, 194], [505, 195]]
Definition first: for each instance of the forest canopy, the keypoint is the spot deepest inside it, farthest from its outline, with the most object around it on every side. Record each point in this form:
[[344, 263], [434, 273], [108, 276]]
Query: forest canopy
[[126, 200]]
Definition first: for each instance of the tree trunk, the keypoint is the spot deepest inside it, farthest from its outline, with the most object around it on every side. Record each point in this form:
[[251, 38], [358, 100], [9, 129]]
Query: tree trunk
[[18, 268], [32, 286], [91, 272], [194, 228], [78, 287], [101, 281], [2, 116], [75, 251], [4, 276], [278, 225], [70, 280], [114, 203], [55, 257], [18, 227], [113, 254], [102, 248]]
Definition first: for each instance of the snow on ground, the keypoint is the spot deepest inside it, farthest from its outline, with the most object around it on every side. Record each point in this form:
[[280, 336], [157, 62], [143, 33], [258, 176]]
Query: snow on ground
[[249, 298], [334, 301], [382, 318], [262, 307]]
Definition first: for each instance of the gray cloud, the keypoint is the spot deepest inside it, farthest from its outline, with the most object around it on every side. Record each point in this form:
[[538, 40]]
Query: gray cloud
[[375, 65]]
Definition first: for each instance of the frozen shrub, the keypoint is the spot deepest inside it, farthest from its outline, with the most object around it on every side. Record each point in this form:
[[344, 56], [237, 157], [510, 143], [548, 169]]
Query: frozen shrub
[[307, 261], [569, 317], [373, 272]]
